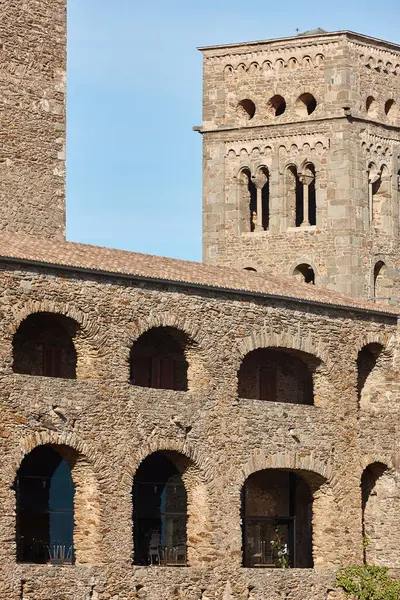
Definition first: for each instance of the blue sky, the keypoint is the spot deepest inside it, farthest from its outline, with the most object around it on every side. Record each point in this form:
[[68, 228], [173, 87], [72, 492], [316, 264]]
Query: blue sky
[[134, 94]]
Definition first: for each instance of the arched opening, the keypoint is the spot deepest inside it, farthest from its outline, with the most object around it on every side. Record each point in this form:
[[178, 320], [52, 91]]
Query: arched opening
[[43, 345], [158, 359], [379, 192], [277, 511], [294, 196], [382, 283], [246, 109], [250, 269], [277, 375], [248, 192], [160, 512], [379, 515], [370, 374], [305, 105], [45, 508], [276, 106], [263, 183], [309, 181], [390, 108], [305, 273], [371, 106]]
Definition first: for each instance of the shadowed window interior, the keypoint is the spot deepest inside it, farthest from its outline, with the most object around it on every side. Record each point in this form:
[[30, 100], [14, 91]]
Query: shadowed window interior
[[45, 508], [43, 345], [305, 273], [277, 375], [379, 509], [276, 520], [158, 360], [159, 513]]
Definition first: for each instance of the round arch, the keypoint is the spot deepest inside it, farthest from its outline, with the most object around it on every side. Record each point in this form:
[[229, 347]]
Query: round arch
[[86, 469]]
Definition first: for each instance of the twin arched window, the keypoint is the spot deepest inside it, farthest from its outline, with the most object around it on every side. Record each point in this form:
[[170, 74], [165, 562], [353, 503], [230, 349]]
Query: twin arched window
[[300, 194]]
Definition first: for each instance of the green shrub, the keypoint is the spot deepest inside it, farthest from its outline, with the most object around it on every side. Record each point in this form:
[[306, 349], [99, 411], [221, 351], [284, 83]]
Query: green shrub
[[368, 582]]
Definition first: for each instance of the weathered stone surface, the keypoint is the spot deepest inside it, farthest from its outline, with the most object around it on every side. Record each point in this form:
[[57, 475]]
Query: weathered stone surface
[[342, 435]]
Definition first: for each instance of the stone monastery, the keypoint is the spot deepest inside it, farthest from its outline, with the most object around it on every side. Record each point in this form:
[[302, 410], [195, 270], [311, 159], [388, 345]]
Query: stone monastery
[[219, 431]]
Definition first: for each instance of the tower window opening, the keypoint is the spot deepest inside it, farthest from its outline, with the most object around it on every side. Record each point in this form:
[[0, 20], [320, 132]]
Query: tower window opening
[[305, 105], [389, 107], [305, 273], [312, 201], [247, 109], [276, 106], [371, 106]]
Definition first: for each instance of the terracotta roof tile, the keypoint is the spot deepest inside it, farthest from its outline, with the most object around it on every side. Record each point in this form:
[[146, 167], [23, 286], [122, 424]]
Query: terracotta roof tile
[[107, 260]]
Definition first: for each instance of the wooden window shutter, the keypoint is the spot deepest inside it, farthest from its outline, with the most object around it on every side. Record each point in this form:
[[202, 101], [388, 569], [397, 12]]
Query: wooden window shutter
[[57, 362], [141, 367], [167, 374], [155, 372], [52, 361], [47, 361], [268, 384]]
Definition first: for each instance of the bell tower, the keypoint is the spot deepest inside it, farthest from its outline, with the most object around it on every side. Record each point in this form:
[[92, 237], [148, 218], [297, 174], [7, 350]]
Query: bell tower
[[301, 146], [32, 117]]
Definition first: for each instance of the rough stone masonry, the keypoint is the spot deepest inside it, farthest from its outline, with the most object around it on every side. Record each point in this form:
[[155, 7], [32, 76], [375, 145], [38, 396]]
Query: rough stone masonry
[[182, 430]]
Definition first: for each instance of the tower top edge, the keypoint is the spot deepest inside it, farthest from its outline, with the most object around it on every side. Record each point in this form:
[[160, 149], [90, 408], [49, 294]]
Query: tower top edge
[[310, 36]]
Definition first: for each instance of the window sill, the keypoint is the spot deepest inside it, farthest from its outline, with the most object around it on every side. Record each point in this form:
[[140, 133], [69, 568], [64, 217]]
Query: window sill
[[307, 229]]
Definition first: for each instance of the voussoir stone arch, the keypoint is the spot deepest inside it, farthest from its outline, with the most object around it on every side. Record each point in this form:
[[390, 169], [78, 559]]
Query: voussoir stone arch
[[386, 340], [370, 459], [88, 473], [294, 340], [89, 326], [261, 460], [90, 341], [201, 463], [167, 319], [52, 438], [302, 260]]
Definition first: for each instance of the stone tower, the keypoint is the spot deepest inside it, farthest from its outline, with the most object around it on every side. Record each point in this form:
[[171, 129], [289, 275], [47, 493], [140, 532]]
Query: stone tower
[[301, 159], [32, 117]]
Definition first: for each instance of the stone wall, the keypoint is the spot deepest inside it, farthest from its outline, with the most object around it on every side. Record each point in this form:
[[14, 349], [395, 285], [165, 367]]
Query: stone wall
[[32, 117], [105, 427]]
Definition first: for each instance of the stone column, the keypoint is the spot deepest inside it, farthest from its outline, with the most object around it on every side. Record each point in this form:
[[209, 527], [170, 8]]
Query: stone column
[[259, 181], [373, 177], [306, 179]]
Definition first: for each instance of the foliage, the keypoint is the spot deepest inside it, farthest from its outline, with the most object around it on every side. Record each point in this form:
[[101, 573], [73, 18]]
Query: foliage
[[281, 550], [368, 582]]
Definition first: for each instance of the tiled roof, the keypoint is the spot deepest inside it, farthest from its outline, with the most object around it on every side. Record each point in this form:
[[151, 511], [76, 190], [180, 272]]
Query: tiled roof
[[132, 264]]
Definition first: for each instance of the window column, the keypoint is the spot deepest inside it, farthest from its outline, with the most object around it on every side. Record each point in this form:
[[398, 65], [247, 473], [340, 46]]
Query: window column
[[259, 181], [306, 179]]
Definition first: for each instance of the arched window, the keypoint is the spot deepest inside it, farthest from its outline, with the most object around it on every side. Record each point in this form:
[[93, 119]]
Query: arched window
[[158, 359], [382, 283], [305, 272], [294, 196], [379, 197], [159, 512], [370, 374], [277, 508], [45, 508], [248, 192], [380, 508], [277, 375], [43, 345]]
